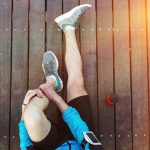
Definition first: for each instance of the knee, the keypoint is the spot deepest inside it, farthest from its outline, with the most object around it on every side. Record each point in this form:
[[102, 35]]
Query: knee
[[32, 117], [76, 82]]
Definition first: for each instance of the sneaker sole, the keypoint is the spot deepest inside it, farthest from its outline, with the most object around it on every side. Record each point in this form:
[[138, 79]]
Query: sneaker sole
[[70, 13], [57, 65]]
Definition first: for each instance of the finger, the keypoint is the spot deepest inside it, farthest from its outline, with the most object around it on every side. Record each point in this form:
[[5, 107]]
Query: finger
[[38, 93], [29, 92], [32, 95], [46, 90], [41, 87], [28, 98]]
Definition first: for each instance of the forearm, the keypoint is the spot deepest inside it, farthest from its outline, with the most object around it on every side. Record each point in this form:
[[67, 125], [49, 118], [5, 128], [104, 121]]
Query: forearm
[[61, 104], [75, 123], [53, 96], [72, 119]]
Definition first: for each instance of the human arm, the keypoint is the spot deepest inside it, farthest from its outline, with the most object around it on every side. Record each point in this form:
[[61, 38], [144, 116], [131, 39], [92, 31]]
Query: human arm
[[70, 115], [75, 123], [53, 96]]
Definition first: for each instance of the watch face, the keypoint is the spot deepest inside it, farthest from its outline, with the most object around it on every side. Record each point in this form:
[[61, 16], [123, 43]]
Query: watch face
[[92, 137]]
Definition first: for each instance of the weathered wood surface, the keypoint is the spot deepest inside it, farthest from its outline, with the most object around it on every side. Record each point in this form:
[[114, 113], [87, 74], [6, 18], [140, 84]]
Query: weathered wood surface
[[105, 73], [122, 75], [114, 39], [19, 77], [140, 76], [36, 42], [5, 71]]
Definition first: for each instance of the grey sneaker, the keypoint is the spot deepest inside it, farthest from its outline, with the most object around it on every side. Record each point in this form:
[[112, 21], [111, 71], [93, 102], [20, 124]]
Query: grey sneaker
[[72, 17], [50, 68]]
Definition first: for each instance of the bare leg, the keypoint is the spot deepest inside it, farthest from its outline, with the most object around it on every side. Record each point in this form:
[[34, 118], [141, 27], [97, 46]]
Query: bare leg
[[75, 85], [68, 22], [36, 122]]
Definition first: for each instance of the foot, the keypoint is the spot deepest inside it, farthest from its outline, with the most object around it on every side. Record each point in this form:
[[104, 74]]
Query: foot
[[71, 18], [50, 68]]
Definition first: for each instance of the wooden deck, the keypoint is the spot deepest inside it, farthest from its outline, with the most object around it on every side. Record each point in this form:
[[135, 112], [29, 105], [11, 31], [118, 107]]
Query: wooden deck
[[114, 38]]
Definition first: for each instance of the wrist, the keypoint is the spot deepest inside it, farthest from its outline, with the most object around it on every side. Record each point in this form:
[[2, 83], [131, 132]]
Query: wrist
[[58, 100], [61, 105]]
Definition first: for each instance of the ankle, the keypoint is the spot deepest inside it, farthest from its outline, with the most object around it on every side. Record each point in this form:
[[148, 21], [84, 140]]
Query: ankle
[[51, 81], [69, 29]]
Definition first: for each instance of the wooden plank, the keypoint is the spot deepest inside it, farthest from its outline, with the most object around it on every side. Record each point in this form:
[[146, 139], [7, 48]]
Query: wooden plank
[[122, 75], [148, 43], [5, 65], [36, 42], [54, 34], [139, 76], [19, 66], [88, 52], [105, 73], [54, 43]]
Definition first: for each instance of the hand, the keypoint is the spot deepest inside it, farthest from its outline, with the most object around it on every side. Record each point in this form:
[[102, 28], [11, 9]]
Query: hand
[[49, 92], [29, 95]]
